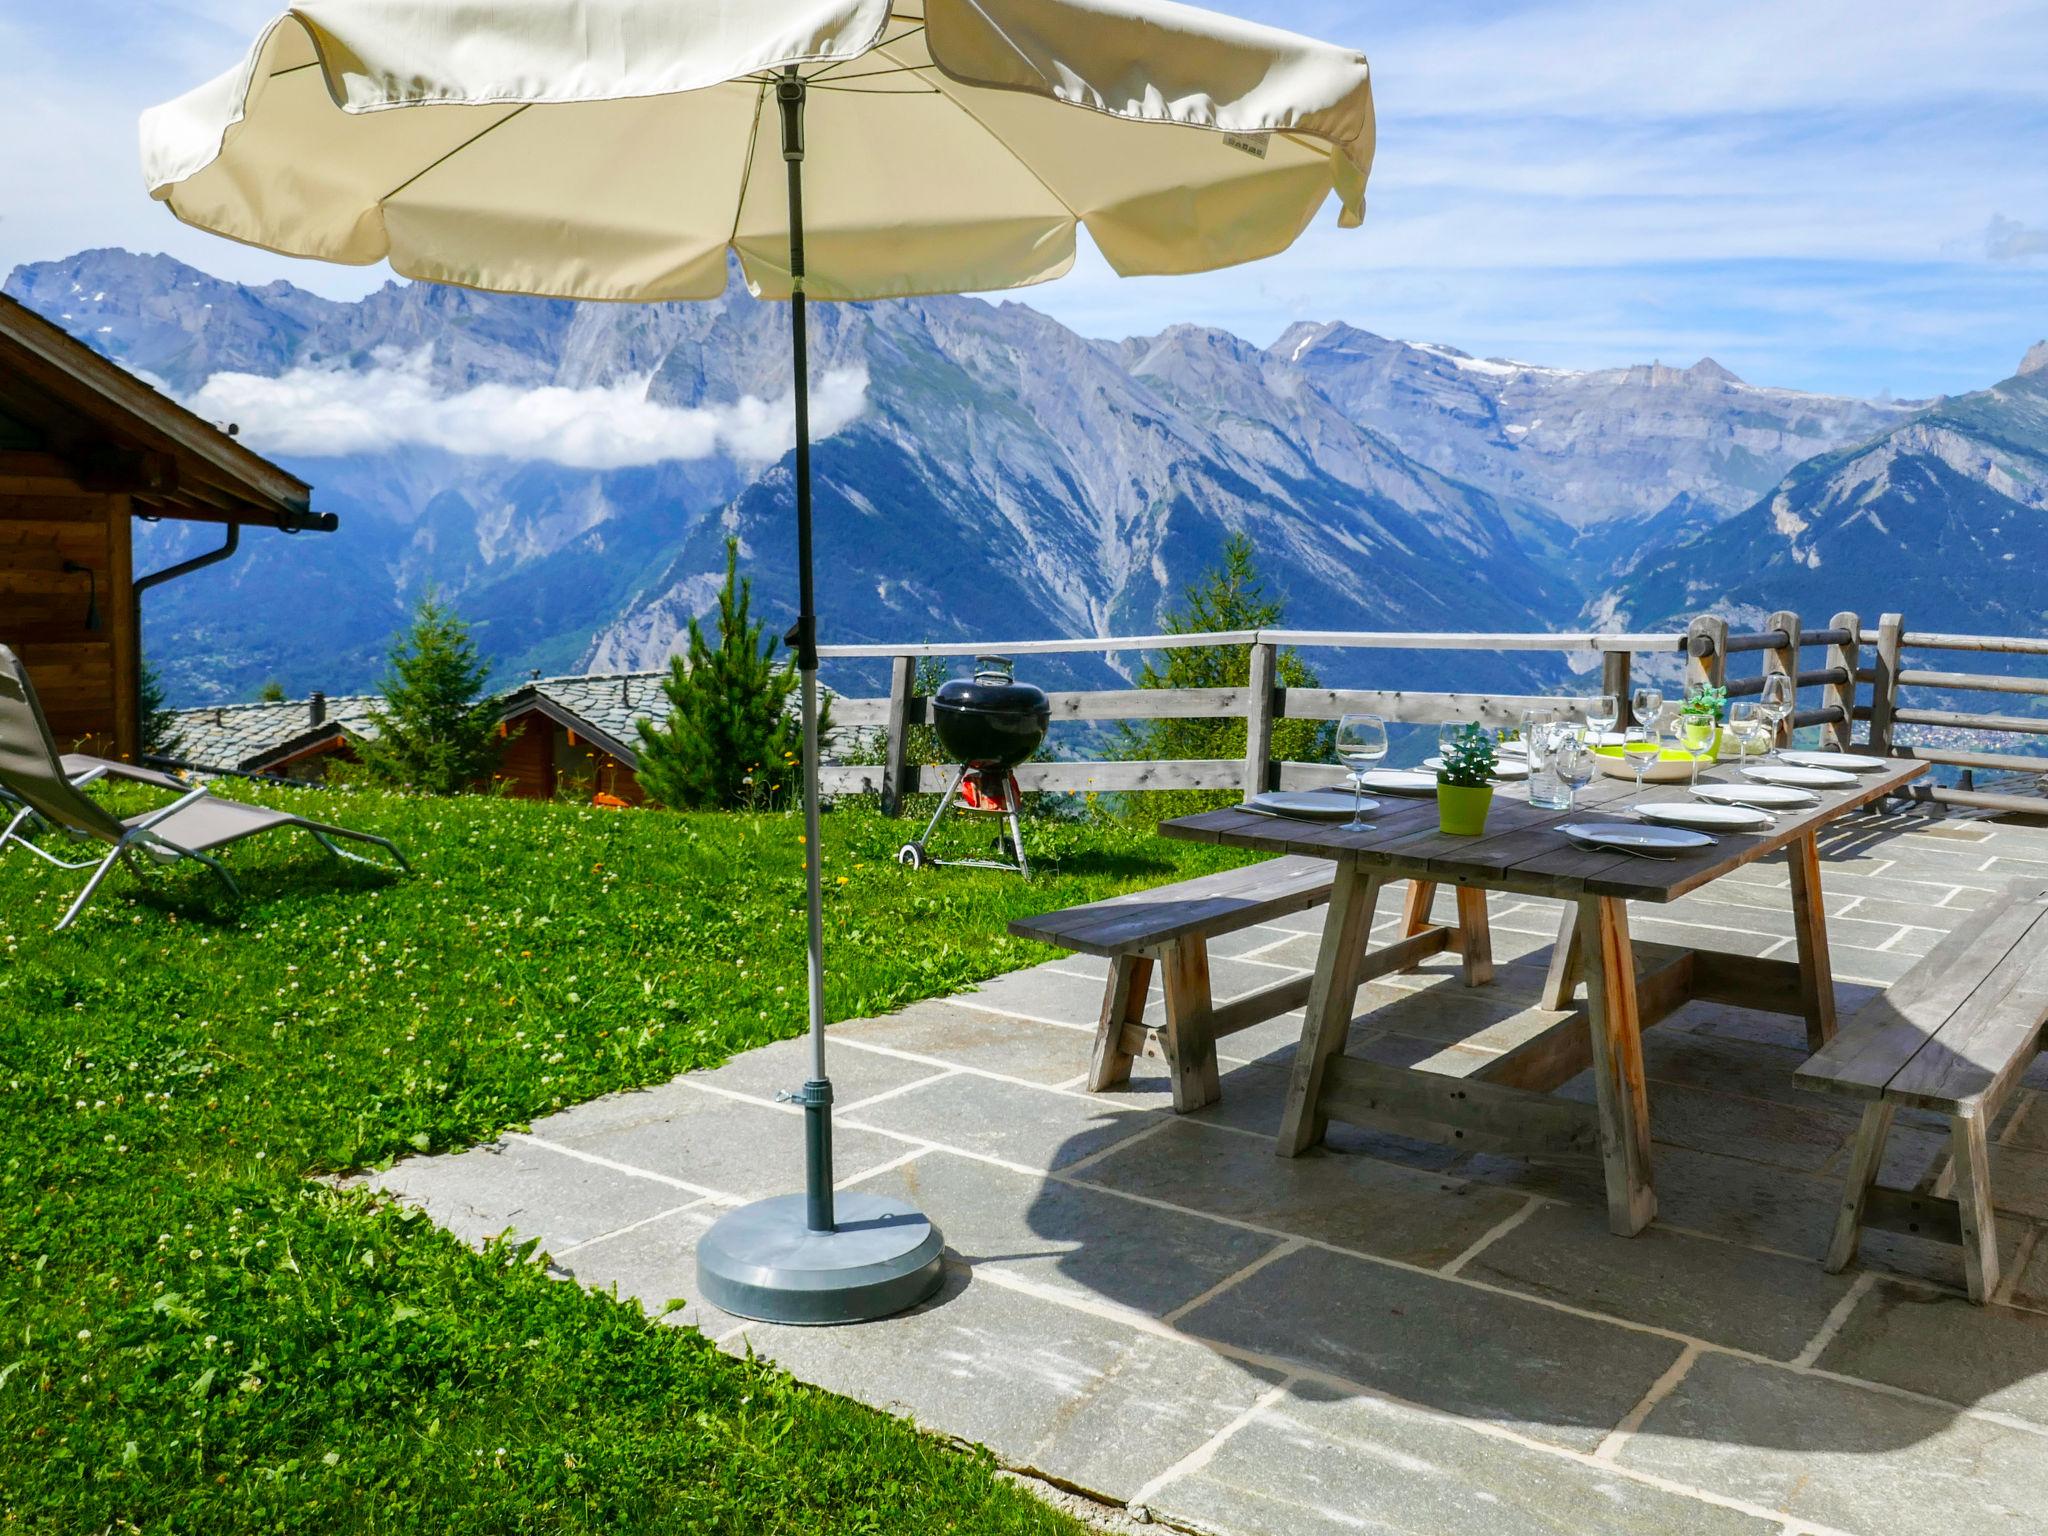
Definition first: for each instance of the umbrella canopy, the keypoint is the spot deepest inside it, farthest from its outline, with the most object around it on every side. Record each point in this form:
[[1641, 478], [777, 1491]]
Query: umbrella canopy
[[616, 149], [844, 149]]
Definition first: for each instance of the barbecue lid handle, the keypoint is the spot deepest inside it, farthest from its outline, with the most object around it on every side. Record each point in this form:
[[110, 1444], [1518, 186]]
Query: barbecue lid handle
[[994, 669]]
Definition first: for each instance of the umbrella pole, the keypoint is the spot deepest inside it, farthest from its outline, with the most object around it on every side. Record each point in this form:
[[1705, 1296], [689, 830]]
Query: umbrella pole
[[816, 1095], [811, 1258]]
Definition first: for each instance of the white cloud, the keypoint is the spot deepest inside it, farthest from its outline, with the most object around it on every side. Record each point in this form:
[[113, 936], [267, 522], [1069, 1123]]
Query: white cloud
[[325, 412], [2010, 240]]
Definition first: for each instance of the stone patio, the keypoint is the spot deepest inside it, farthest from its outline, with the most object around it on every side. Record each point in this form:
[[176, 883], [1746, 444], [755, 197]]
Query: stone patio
[[1384, 1335]]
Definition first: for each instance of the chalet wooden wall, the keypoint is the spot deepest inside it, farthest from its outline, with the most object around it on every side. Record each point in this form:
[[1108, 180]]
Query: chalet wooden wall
[[85, 678], [545, 760]]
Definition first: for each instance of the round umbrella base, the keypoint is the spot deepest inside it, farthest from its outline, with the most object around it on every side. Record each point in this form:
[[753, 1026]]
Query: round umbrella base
[[764, 1262]]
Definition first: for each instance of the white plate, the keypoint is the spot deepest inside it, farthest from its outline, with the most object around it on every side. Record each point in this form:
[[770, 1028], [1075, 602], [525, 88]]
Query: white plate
[[1765, 797], [1846, 762], [1400, 781], [1504, 768], [1705, 818], [1801, 778], [1308, 804], [1619, 834]]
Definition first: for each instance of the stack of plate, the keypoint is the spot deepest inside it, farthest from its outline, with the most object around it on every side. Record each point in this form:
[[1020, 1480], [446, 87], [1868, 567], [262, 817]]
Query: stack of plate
[[1620, 837], [1504, 768], [1795, 777], [1763, 797], [1308, 804], [1842, 762], [1400, 781], [1703, 816]]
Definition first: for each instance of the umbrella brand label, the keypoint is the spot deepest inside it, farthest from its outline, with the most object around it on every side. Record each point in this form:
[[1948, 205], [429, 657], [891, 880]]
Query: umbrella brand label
[[1251, 143]]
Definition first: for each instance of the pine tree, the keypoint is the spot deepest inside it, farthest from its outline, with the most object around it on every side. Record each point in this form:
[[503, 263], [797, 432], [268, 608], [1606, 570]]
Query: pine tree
[[156, 721], [437, 730], [731, 739], [1229, 596]]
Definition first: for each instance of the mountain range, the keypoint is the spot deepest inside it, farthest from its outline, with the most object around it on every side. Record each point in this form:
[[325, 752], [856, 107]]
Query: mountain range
[[566, 475]]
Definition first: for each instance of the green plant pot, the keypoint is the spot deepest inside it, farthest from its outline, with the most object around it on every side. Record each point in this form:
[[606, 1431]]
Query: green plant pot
[[1461, 808]]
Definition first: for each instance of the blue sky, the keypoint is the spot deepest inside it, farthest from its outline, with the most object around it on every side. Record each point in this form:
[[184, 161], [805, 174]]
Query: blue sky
[[1846, 195]]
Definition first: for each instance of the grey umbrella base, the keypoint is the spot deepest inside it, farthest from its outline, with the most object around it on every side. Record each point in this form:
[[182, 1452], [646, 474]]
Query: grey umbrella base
[[764, 1261]]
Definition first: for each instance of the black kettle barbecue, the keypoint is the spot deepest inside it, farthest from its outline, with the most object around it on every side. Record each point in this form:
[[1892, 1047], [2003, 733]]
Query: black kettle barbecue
[[988, 723]]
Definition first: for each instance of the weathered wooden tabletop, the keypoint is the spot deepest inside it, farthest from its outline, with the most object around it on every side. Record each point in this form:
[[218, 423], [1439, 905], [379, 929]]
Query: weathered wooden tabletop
[[1522, 849]]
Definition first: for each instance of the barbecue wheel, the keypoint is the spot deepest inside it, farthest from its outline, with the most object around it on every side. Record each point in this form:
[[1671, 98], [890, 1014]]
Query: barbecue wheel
[[913, 856]]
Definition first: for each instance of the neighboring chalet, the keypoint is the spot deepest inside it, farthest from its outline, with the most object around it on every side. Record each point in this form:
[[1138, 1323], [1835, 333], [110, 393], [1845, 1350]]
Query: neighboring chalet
[[85, 449], [577, 738], [569, 738], [289, 739]]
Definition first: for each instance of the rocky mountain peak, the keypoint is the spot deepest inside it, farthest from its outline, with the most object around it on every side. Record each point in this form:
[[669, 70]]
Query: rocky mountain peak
[[2036, 360]]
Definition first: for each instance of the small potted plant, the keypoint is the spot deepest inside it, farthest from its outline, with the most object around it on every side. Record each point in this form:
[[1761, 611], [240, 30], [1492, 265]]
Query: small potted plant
[[1464, 785], [1707, 704]]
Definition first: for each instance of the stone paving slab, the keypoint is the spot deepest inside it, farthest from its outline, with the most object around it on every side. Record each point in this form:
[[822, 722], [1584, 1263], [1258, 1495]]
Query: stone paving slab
[[1842, 1455], [1538, 1370], [1084, 1399], [1321, 1466], [1385, 1335]]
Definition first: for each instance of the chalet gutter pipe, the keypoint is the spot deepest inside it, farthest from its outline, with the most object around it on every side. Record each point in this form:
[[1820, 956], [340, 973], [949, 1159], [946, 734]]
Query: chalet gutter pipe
[[226, 551]]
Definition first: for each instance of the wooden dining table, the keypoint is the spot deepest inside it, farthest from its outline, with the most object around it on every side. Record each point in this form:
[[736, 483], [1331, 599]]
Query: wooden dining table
[[1509, 1104]]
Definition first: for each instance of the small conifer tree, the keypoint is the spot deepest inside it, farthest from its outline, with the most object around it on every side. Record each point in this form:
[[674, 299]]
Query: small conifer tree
[[156, 721], [437, 729], [731, 739]]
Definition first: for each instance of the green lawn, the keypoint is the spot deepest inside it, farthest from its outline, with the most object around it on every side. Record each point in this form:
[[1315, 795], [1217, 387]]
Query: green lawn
[[194, 1337]]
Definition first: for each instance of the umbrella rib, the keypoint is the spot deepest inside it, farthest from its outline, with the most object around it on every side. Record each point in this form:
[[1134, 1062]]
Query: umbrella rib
[[451, 154], [739, 203]]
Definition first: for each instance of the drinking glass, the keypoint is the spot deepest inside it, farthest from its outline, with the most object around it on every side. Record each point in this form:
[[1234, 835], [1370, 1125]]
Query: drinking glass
[[1647, 705], [1546, 739], [1774, 705], [1642, 747], [1447, 733], [1602, 710], [1571, 758], [1361, 742], [1696, 735], [1743, 724]]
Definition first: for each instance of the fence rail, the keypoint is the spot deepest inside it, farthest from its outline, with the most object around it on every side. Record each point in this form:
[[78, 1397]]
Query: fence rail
[[1825, 692]]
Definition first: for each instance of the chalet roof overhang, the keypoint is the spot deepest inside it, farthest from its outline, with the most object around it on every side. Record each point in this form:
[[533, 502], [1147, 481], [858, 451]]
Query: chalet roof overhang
[[531, 701], [112, 432]]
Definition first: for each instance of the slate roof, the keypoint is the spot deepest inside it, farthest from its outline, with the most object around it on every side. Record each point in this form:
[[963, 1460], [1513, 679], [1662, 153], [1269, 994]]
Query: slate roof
[[600, 705], [249, 737]]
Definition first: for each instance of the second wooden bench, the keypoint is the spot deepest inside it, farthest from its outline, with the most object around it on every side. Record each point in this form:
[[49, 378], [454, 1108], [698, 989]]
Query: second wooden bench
[[1171, 925]]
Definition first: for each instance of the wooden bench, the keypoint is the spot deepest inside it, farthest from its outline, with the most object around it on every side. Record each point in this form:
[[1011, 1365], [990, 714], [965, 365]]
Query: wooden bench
[[1952, 1036], [1172, 925]]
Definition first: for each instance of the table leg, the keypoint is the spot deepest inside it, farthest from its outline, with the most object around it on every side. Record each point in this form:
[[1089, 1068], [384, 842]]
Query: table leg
[[1615, 1029], [1810, 928], [1333, 994], [1475, 938], [1415, 907], [1561, 982], [1190, 1031]]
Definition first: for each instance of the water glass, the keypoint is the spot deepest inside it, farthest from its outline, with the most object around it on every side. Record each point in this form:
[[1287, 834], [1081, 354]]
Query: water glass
[[1361, 743], [1774, 706], [1647, 706], [1696, 735], [1602, 711], [1547, 789], [1642, 746]]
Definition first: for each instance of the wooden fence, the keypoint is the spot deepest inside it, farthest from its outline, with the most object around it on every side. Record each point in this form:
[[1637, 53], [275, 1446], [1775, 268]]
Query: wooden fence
[[1825, 693]]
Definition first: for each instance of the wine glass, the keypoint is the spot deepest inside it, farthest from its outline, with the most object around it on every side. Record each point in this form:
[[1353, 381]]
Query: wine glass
[[1774, 704], [1696, 735], [1361, 742], [1447, 735], [1571, 759], [1602, 711], [1744, 722], [1642, 746], [1647, 705]]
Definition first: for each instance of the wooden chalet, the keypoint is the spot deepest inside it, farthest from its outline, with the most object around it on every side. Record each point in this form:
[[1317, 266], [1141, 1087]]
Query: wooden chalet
[[577, 738], [85, 449]]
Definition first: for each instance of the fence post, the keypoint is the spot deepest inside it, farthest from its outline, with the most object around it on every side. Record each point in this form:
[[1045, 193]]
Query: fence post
[[896, 759], [1706, 652], [1846, 657], [1258, 718], [1884, 688], [1785, 659], [1614, 675]]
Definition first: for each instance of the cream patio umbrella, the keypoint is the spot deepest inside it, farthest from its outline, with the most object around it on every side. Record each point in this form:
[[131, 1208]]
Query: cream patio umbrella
[[619, 149]]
